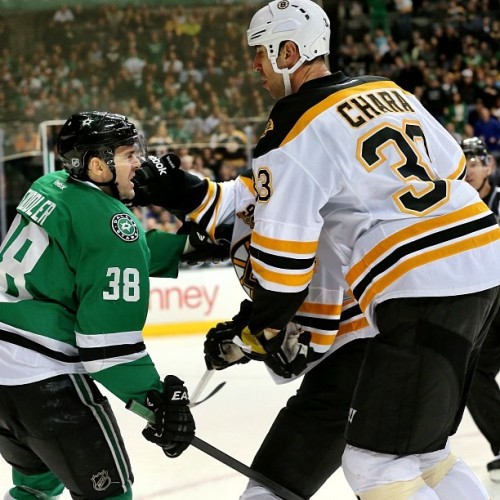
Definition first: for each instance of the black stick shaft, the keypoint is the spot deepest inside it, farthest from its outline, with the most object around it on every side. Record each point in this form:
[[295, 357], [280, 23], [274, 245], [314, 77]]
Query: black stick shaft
[[224, 458]]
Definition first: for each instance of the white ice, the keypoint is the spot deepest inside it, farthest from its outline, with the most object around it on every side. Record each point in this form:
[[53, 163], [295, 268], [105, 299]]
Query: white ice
[[234, 420]]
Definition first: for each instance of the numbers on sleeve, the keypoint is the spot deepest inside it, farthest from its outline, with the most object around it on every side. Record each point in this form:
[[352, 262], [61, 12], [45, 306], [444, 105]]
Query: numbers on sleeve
[[19, 254], [122, 284], [263, 185], [410, 167]]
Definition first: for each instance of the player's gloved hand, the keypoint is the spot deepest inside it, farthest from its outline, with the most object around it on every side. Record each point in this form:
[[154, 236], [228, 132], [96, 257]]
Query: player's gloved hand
[[294, 355], [161, 181], [219, 347], [201, 249], [286, 352], [174, 426]]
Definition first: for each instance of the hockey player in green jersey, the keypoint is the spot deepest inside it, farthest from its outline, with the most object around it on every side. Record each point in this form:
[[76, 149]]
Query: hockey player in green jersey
[[74, 294]]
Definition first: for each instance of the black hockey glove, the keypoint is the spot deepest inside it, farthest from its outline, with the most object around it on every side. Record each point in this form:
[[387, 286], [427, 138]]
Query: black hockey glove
[[202, 250], [174, 426], [220, 350], [161, 181], [286, 354]]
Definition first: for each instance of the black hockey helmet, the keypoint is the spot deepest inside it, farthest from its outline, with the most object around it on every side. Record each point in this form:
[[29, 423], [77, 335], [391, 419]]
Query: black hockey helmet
[[96, 133], [474, 147]]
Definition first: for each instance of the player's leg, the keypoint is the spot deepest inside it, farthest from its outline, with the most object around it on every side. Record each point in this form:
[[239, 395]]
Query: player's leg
[[449, 476], [304, 446], [484, 397], [413, 385], [70, 426], [30, 476]]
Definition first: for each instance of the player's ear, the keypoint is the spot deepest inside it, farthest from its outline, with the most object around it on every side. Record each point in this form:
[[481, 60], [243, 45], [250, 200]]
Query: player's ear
[[96, 167], [290, 53]]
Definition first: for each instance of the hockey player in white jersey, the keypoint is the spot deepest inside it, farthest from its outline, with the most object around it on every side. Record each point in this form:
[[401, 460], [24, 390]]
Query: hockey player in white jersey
[[358, 168], [325, 341], [354, 176]]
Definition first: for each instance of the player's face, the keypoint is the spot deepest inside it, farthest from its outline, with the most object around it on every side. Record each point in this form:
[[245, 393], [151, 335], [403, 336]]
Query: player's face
[[271, 81], [126, 163], [476, 172]]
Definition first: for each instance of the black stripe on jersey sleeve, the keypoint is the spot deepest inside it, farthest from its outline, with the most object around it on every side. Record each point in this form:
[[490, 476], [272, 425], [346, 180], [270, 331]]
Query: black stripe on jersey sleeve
[[14, 338], [350, 312], [108, 352], [444, 236], [209, 213], [327, 324], [281, 262]]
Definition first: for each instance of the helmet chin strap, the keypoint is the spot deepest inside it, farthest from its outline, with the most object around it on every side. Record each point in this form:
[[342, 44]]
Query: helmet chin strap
[[111, 183], [286, 72]]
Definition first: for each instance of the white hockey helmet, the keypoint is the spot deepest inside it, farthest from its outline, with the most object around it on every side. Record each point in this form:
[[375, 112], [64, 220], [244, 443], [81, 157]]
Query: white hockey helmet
[[301, 21]]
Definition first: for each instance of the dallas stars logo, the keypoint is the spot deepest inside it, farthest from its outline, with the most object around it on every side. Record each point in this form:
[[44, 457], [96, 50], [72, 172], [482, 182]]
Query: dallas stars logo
[[87, 122], [125, 227]]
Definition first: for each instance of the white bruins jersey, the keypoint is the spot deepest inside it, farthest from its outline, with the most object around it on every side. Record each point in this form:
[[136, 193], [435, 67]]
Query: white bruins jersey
[[331, 318], [355, 176]]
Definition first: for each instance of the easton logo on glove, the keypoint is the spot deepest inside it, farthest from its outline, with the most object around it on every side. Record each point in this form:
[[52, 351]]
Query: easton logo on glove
[[179, 396]]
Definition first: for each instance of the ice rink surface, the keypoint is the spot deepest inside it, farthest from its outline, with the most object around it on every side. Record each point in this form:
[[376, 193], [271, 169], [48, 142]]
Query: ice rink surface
[[235, 420]]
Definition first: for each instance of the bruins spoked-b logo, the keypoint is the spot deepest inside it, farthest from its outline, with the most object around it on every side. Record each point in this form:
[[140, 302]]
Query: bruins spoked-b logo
[[125, 227], [283, 5]]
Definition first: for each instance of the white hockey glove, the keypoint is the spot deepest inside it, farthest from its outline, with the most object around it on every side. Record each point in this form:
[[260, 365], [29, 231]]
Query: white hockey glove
[[287, 353]]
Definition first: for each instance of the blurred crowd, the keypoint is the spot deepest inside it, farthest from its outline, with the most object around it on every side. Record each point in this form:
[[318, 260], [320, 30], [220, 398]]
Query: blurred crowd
[[183, 74]]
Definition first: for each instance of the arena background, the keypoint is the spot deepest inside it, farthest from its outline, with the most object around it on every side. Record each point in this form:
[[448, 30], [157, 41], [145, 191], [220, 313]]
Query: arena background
[[182, 72]]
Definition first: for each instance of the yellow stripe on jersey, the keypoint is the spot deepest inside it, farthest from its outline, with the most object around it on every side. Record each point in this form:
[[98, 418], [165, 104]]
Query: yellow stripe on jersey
[[301, 279], [292, 247], [330, 101], [411, 232], [460, 169], [332, 310], [248, 183], [352, 325], [426, 257], [209, 198], [322, 339]]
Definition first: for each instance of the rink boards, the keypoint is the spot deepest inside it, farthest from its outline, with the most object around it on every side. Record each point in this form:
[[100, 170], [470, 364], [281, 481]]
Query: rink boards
[[194, 302]]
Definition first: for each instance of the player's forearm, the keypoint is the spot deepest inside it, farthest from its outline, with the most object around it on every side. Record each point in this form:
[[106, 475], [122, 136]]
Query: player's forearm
[[130, 380], [273, 310]]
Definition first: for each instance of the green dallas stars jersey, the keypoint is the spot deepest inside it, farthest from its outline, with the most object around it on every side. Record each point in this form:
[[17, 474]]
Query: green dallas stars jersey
[[74, 288]]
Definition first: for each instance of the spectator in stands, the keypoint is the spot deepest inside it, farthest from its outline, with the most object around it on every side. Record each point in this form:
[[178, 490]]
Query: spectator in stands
[[27, 139], [468, 88], [435, 99], [487, 127], [134, 64], [63, 15], [160, 140], [456, 112]]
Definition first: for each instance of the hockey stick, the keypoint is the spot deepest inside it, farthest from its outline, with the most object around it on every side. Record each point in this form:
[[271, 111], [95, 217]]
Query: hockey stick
[[222, 457], [216, 390], [201, 385]]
